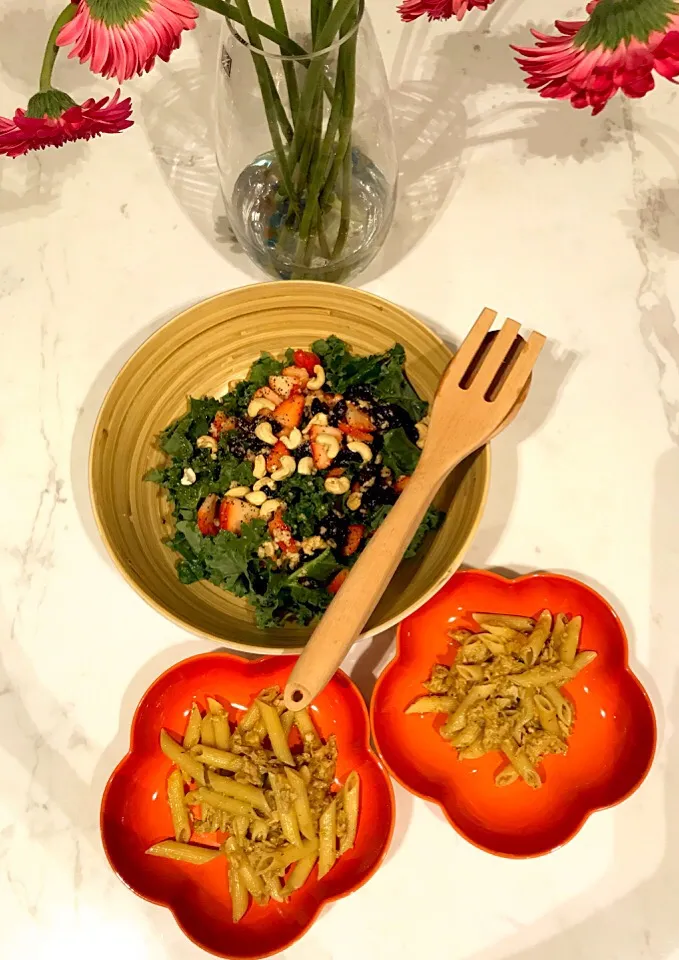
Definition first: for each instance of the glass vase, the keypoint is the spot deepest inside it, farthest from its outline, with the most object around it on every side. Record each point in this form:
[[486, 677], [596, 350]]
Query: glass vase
[[304, 139]]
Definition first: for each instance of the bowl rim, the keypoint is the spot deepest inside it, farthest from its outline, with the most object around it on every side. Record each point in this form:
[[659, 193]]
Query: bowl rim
[[269, 650], [392, 665], [325, 901]]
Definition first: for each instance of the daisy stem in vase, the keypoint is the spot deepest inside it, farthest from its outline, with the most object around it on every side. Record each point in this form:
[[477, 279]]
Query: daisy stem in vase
[[281, 24], [269, 96], [51, 50]]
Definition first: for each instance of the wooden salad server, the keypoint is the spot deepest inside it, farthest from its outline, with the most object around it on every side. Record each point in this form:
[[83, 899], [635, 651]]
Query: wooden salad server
[[474, 401]]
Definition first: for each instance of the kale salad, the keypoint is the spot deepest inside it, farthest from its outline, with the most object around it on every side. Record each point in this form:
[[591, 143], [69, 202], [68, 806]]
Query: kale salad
[[277, 486]]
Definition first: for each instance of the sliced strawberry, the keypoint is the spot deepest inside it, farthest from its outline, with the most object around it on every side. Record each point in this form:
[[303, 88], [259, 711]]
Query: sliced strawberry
[[358, 418], [355, 534], [221, 424], [234, 512], [273, 461], [319, 452], [297, 373], [353, 433], [266, 393], [207, 512], [284, 386], [289, 413], [336, 472], [307, 360], [337, 580], [329, 431], [401, 484], [282, 534]]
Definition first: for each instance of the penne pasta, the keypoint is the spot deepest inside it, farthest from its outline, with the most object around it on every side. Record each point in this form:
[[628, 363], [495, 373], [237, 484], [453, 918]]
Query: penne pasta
[[507, 776], [327, 843], [186, 852], [185, 761], [301, 804], [292, 854], [264, 800], [563, 707], [192, 732], [432, 705], [207, 731], [522, 765], [284, 797], [547, 713], [221, 759], [299, 874], [306, 728], [522, 624], [537, 639], [570, 640], [287, 722], [175, 799], [239, 791], [219, 801], [503, 691], [274, 729], [240, 898], [350, 792]]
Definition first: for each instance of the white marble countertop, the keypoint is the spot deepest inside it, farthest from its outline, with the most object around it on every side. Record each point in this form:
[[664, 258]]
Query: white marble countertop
[[566, 222]]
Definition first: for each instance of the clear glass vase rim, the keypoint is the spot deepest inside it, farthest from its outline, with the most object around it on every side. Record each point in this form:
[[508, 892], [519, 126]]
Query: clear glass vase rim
[[312, 55]]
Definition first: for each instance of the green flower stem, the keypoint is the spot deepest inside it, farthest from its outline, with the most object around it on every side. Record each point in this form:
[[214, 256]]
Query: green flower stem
[[325, 38], [345, 220], [287, 46], [269, 93], [51, 50], [346, 124], [281, 24]]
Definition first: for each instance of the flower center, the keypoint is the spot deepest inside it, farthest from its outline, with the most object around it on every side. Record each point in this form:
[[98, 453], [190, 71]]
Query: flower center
[[50, 102], [614, 20], [117, 12]]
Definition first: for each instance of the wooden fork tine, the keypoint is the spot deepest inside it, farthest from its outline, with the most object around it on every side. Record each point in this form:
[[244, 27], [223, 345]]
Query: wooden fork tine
[[492, 362], [472, 343], [521, 368]]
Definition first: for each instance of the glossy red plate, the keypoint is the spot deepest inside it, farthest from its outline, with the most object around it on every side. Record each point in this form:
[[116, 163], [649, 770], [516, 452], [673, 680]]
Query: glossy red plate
[[135, 815], [610, 750]]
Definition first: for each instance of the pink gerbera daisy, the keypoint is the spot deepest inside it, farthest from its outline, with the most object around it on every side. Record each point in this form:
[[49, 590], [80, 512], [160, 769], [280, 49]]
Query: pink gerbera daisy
[[121, 38], [618, 48], [439, 9], [52, 119]]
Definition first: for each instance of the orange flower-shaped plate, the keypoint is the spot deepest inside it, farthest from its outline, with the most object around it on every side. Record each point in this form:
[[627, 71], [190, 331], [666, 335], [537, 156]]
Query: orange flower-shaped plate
[[135, 814], [610, 749]]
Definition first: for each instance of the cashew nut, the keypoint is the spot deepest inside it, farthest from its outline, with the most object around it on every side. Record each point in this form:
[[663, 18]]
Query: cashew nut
[[317, 382], [207, 443], [357, 446], [337, 485], [258, 497], [287, 468], [264, 482], [318, 420], [259, 404], [264, 433], [237, 492], [259, 468], [269, 507], [331, 444], [188, 477], [293, 441], [354, 500], [422, 431], [305, 466]]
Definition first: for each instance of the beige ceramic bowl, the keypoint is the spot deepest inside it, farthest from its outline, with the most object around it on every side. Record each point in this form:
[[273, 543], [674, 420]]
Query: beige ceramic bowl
[[198, 353]]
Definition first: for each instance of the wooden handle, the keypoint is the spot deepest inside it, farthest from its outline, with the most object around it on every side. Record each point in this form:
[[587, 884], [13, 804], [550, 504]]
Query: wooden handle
[[348, 613]]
